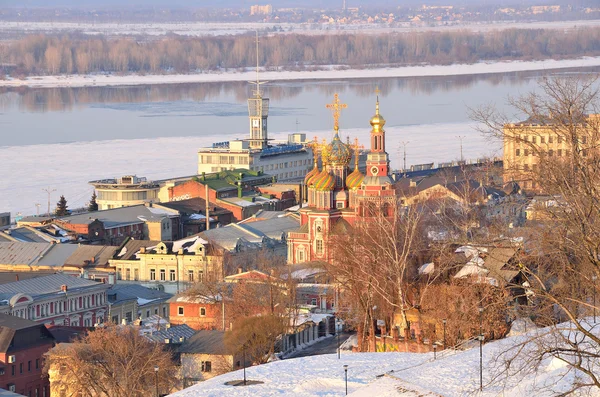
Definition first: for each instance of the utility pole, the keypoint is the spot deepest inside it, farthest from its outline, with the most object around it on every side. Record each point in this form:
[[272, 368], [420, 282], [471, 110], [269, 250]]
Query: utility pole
[[404, 143], [49, 191], [460, 138]]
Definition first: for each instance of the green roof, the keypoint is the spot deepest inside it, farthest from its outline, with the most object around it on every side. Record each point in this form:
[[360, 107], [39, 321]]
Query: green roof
[[228, 178]]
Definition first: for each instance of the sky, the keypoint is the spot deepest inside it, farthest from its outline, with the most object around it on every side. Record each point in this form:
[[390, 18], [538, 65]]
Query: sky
[[234, 3]]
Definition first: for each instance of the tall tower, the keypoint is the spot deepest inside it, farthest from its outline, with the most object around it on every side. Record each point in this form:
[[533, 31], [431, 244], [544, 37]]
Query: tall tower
[[378, 162], [258, 111]]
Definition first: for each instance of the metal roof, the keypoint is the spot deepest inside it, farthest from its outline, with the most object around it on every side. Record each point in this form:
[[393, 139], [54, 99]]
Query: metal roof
[[132, 247], [205, 342], [253, 232], [136, 291], [19, 253], [44, 285], [96, 255], [120, 216], [57, 255], [174, 334]]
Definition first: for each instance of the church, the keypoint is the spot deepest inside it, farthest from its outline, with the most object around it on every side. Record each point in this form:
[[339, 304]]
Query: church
[[337, 198]]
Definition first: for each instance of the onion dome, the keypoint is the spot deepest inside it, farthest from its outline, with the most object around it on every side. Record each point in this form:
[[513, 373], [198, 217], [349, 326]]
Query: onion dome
[[311, 174], [377, 121], [354, 180], [324, 181], [338, 152]]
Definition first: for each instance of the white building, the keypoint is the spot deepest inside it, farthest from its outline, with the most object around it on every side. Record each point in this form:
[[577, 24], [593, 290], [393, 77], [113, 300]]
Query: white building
[[286, 160], [125, 191]]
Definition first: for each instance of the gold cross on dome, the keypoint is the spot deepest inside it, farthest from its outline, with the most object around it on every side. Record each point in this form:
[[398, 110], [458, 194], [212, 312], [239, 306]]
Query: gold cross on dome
[[336, 107], [377, 90], [357, 148]]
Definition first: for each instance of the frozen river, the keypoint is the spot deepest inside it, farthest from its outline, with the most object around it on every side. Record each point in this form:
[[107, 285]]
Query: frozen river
[[63, 137]]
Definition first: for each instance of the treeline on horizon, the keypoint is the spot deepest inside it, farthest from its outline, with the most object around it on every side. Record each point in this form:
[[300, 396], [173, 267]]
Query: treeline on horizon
[[70, 54]]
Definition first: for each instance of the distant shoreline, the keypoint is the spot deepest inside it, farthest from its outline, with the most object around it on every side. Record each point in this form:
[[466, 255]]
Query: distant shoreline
[[216, 77]]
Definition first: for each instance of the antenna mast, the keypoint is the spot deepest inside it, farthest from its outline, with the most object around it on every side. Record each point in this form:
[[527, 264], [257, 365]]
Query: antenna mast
[[257, 82]]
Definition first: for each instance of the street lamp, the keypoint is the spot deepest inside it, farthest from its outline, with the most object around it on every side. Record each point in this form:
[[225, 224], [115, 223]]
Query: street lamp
[[480, 348], [244, 349], [337, 331], [434, 351], [444, 322], [346, 376], [594, 278], [156, 379]]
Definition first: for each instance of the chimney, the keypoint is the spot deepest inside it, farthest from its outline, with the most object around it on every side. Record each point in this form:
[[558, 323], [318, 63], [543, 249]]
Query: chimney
[[16, 277], [93, 260], [63, 288], [143, 250], [240, 270], [413, 183]]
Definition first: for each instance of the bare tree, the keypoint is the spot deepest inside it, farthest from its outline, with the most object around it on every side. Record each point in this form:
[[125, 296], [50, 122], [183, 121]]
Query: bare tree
[[113, 362], [561, 256]]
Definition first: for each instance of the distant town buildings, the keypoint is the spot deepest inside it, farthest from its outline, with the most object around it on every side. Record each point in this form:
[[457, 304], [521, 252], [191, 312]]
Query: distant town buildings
[[261, 10], [525, 142]]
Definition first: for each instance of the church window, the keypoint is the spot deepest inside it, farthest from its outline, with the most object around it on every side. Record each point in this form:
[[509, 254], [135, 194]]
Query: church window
[[300, 255], [319, 247]]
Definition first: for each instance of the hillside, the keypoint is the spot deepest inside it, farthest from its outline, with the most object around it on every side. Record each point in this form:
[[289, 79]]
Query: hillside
[[453, 374]]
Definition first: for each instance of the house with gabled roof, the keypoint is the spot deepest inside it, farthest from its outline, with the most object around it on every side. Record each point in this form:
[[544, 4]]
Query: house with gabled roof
[[168, 265], [23, 344]]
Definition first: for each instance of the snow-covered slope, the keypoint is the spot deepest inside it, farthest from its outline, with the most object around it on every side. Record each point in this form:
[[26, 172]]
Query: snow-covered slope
[[409, 374]]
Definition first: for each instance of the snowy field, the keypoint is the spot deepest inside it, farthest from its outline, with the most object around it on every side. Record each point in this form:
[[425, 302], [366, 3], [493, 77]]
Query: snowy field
[[452, 374], [406, 71], [67, 167], [213, 29]]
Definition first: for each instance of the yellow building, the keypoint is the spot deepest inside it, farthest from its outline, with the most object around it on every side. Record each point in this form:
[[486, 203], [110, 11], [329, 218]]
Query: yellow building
[[527, 142], [170, 266]]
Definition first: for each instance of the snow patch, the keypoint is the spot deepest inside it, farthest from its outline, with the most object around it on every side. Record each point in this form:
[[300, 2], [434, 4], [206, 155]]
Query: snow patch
[[482, 67]]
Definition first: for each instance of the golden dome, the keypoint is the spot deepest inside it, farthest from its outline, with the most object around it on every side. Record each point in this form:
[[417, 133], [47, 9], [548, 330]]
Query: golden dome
[[377, 121]]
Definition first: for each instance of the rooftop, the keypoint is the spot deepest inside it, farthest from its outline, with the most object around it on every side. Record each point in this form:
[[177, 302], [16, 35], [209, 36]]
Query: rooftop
[[96, 255], [15, 323], [194, 205], [44, 285], [253, 232], [20, 253], [135, 291], [174, 334], [120, 216], [205, 342]]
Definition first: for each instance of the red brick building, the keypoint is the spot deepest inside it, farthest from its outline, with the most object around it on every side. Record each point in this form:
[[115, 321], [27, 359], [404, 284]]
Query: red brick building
[[23, 344], [225, 188], [196, 313]]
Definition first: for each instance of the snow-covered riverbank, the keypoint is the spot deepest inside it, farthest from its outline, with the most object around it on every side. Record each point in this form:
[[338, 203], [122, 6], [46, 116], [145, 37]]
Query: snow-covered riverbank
[[406, 71]]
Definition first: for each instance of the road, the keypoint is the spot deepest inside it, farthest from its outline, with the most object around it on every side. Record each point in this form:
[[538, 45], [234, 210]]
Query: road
[[327, 346]]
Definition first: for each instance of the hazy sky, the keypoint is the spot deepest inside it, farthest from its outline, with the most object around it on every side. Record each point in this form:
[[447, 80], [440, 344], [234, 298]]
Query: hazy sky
[[243, 3]]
